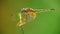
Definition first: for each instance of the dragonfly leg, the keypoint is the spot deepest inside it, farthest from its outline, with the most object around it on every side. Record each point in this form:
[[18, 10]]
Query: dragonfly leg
[[20, 23]]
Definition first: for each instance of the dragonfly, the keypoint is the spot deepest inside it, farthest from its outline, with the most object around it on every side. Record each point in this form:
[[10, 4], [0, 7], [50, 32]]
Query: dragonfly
[[29, 14]]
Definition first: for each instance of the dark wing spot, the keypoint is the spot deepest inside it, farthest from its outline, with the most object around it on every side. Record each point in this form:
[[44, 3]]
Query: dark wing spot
[[52, 9]]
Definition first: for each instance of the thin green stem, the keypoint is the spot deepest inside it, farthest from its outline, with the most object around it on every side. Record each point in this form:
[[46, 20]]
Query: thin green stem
[[22, 30]]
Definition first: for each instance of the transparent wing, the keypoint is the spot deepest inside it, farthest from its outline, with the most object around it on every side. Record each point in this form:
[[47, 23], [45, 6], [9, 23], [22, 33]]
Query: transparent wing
[[43, 10]]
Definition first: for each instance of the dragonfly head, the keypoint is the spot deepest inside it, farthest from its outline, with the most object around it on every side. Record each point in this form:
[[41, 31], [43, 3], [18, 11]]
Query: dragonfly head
[[27, 10]]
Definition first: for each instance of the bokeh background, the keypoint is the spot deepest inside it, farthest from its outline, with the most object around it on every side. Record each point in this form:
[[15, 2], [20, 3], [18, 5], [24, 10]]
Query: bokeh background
[[45, 23]]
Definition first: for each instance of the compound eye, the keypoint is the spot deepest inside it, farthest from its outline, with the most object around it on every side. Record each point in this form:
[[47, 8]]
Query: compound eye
[[24, 9]]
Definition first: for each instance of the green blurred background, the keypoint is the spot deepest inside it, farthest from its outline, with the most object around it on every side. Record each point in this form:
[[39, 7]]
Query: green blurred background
[[45, 23]]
